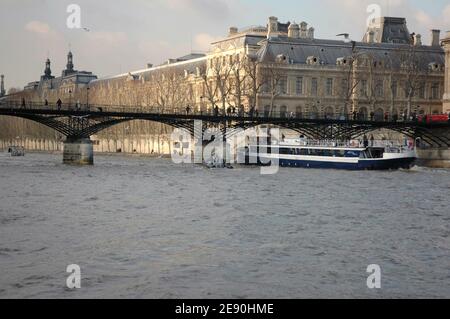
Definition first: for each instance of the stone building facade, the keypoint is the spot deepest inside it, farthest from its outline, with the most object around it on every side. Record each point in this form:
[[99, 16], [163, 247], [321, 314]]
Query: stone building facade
[[281, 68], [71, 86]]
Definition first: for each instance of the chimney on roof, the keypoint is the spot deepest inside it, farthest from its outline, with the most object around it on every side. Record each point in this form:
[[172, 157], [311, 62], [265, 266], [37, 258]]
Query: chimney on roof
[[371, 38], [417, 40], [435, 37], [272, 27], [294, 31], [311, 33], [303, 30], [232, 31]]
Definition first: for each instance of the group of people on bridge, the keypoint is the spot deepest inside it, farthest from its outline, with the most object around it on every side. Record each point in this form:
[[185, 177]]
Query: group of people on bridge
[[58, 104], [253, 112]]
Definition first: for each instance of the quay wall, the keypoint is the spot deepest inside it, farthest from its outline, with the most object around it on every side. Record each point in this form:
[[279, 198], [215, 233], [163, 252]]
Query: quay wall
[[147, 145], [434, 157]]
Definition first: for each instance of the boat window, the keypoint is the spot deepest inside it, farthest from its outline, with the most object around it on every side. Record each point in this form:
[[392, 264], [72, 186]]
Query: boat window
[[285, 151], [327, 153], [339, 153], [351, 153], [303, 151], [377, 152]]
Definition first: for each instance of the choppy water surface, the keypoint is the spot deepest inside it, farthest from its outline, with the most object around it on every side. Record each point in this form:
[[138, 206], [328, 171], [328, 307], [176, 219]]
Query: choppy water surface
[[147, 228]]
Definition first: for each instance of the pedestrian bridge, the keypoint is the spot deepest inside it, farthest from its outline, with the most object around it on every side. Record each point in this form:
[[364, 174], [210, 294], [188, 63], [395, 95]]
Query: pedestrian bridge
[[78, 124]]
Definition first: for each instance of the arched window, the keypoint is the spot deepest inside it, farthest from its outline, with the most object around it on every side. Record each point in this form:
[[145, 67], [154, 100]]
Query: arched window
[[379, 114], [329, 112], [274, 111], [313, 112], [362, 114], [298, 112], [266, 111], [283, 111]]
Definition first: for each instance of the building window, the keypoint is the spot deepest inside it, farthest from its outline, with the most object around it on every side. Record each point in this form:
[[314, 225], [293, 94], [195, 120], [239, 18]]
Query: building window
[[344, 87], [282, 85], [329, 87], [314, 87], [299, 86], [379, 90], [363, 88], [435, 91], [394, 89], [265, 85], [422, 92]]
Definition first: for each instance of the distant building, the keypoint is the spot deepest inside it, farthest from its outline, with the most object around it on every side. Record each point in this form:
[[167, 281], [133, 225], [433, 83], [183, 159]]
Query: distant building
[[69, 86], [282, 68], [2, 85]]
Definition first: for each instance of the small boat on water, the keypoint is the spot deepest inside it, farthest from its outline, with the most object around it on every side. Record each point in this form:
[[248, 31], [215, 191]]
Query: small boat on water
[[16, 151], [216, 162], [331, 154]]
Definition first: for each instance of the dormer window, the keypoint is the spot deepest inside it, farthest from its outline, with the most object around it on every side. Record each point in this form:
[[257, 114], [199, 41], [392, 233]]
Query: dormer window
[[281, 58], [312, 60], [434, 67], [342, 61]]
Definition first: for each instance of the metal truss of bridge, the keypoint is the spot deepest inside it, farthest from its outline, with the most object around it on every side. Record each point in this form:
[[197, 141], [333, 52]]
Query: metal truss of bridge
[[82, 123]]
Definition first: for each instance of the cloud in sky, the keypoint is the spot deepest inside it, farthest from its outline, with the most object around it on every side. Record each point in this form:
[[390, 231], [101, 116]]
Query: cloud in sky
[[37, 27], [202, 41]]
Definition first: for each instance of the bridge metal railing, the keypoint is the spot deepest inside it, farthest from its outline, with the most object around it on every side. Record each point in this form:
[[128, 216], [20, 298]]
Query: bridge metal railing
[[190, 111]]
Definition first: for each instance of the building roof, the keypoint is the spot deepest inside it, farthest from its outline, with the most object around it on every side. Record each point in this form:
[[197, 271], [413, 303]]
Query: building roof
[[189, 65], [389, 30], [329, 51]]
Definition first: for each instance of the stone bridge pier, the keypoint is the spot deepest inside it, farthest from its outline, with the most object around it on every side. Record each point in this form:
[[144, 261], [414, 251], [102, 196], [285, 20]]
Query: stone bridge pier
[[78, 151]]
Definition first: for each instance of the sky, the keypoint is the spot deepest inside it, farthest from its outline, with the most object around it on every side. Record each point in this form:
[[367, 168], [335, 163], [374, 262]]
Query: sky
[[125, 35]]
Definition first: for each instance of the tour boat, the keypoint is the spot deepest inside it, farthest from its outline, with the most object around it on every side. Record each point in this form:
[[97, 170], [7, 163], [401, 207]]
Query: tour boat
[[331, 154]]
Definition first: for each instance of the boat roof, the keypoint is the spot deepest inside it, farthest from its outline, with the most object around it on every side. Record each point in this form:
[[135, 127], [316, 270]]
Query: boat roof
[[348, 148]]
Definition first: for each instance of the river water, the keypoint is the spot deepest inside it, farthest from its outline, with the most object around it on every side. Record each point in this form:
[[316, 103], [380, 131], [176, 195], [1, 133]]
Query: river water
[[148, 228]]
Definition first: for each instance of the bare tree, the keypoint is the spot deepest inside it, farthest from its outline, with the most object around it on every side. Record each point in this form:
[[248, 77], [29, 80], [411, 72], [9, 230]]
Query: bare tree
[[413, 71], [216, 79], [238, 81], [350, 81], [255, 80], [168, 89], [273, 77]]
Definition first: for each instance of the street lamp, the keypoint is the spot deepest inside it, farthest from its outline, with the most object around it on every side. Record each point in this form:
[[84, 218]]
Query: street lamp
[[391, 79], [70, 99], [87, 98]]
